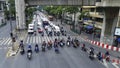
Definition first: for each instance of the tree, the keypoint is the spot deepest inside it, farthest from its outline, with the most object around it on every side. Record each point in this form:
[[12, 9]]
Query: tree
[[54, 10], [12, 8], [72, 10], [29, 14], [84, 14]]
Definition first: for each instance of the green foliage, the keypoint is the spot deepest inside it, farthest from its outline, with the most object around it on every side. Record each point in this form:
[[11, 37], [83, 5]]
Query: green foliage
[[84, 14], [54, 10], [72, 9], [29, 11], [12, 7], [29, 14]]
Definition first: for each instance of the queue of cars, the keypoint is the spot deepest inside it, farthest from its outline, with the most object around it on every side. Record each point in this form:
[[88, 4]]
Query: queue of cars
[[44, 24]]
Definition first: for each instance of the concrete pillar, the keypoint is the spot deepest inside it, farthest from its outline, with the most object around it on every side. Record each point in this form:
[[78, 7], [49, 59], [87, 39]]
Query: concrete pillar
[[20, 14], [109, 24], [118, 23], [103, 29]]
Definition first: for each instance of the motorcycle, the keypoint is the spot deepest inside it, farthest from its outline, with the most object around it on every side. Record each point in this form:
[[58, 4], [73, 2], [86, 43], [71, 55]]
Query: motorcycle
[[43, 48], [68, 43], [91, 55], [83, 48], [56, 50], [22, 51], [29, 54], [36, 49], [42, 34], [61, 44], [107, 58], [99, 56], [49, 46]]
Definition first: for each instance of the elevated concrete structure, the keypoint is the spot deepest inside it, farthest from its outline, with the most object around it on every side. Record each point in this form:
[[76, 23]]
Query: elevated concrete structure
[[108, 3], [20, 13], [60, 2], [111, 11], [20, 7]]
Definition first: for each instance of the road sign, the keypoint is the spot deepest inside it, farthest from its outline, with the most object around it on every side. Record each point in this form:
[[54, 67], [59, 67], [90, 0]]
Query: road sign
[[117, 31]]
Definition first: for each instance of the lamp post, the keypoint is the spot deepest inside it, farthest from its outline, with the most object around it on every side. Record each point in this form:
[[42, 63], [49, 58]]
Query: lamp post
[[62, 15], [11, 33]]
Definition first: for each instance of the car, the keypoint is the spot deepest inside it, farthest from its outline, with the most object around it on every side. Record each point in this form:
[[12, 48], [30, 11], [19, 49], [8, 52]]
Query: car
[[50, 18], [40, 30]]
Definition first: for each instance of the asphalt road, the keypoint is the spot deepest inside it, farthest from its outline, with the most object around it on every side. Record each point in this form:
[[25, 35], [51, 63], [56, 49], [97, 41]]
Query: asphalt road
[[68, 57], [5, 30]]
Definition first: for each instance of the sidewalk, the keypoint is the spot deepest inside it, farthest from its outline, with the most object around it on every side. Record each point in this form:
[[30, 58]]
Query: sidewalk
[[83, 34], [20, 36]]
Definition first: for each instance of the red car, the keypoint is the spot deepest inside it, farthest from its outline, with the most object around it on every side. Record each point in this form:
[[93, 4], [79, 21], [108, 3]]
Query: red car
[[40, 30]]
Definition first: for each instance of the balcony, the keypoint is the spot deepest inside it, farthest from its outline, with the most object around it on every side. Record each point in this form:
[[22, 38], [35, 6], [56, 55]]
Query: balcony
[[108, 3], [97, 24], [96, 14]]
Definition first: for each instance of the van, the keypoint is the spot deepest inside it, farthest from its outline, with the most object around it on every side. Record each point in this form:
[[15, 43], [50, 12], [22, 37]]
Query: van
[[31, 29]]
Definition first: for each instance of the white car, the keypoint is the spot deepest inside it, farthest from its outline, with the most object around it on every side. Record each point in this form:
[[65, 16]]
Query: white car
[[30, 28]]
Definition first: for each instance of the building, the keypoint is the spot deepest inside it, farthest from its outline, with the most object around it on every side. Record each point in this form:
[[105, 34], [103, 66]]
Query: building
[[106, 16], [2, 16]]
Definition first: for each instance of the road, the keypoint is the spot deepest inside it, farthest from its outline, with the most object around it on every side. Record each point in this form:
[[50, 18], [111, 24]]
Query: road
[[68, 57]]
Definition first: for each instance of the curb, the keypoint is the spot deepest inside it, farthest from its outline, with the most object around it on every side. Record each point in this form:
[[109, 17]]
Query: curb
[[16, 46], [108, 47], [105, 46]]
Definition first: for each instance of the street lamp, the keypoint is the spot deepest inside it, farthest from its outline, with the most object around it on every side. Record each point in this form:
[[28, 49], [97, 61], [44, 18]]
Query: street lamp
[[11, 33], [62, 15]]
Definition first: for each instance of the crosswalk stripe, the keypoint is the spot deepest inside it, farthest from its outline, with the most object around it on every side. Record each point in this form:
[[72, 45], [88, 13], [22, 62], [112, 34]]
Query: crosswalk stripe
[[7, 41], [115, 65], [40, 39], [2, 43], [27, 40], [10, 42], [37, 39], [30, 40]]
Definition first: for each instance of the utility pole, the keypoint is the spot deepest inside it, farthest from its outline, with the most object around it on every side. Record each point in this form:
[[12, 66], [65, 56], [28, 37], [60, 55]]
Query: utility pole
[[11, 33]]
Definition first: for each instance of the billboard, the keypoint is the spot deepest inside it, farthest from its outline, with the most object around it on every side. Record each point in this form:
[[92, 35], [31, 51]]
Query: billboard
[[117, 31]]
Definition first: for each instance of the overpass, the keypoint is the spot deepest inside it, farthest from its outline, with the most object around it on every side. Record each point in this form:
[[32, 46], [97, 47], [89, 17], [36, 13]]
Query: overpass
[[21, 5], [61, 2]]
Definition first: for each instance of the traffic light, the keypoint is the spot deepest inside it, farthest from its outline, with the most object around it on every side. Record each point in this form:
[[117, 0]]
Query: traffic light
[[13, 39]]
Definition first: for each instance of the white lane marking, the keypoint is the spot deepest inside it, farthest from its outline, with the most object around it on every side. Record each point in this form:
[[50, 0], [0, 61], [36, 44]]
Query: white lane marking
[[27, 41], [37, 38], [33, 39], [115, 65], [40, 40], [3, 41], [7, 41], [105, 63]]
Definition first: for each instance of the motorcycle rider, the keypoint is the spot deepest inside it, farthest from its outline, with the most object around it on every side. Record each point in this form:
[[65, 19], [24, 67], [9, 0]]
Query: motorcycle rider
[[107, 57], [56, 45], [36, 48], [21, 44], [49, 44], [30, 47], [76, 42], [22, 47], [83, 47], [91, 54], [43, 46], [99, 56]]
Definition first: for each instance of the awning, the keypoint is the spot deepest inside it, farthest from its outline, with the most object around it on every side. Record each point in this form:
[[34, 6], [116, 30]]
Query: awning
[[89, 27], [118, 39]]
